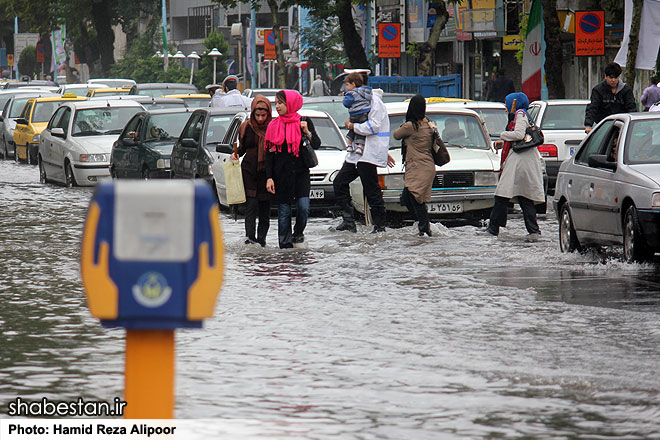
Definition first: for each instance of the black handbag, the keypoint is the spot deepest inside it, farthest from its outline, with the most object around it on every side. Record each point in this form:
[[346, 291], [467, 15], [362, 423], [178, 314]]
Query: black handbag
[[308, 154], [439, 149], [533, 138]]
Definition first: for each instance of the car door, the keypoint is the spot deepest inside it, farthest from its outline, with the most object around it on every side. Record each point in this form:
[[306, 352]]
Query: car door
[[59, 147], [127, 142], [231, 136], [188, 152], [580, 176], [46, 143]]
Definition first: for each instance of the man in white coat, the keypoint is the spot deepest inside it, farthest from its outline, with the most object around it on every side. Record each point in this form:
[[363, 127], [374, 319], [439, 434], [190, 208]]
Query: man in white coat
[[232, 97], [375, 154]]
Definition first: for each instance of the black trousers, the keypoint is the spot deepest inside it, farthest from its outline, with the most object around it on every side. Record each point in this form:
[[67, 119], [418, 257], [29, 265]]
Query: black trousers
[[368, 174], [257, 208], [498, 215], [416, 209]]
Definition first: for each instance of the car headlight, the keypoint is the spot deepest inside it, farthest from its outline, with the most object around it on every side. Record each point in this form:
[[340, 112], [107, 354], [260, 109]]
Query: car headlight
[[94, 158], [485, 178], [392, 181], [655, 200], [163, 163], [35, 138]]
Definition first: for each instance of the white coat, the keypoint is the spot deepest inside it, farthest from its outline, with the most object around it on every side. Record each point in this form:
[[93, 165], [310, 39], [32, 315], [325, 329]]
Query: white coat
[[522, 174], [377, 132], [233, 98]]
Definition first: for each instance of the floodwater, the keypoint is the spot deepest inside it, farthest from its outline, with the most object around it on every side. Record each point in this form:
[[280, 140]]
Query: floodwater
[[358, 336]]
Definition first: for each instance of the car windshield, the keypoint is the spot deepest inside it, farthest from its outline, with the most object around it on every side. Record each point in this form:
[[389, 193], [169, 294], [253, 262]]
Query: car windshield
[[643, 142], [216, 130], [197, 102], [496, 120], [17, 107], [166, 126], [564, 117], [456, 130], [330, 137], [164, 91], [162, 105], [44, 110], [336, 110], [104, 120], [78, 91]]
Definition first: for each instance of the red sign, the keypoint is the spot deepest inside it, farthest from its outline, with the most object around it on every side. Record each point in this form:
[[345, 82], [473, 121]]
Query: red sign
[[389, 40], [269, 45], [40, 53], [589, 33]]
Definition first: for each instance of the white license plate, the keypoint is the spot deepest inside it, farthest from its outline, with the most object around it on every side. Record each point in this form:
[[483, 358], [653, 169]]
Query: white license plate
[[445, 208], [316, 193]]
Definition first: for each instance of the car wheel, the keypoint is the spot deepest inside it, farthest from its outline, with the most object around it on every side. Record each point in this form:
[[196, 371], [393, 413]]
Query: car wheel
[[634, 248], [145, 173], [69, 178], [568, 241], [42, 172]]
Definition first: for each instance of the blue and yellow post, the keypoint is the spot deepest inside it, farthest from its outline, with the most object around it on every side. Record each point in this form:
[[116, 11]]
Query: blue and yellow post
[[152, 261]]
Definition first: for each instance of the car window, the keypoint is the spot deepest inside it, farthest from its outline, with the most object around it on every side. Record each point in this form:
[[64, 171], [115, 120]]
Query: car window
[[165, 126], [336, 110], [496, 120], [197, 102], [26, 111], [217, 128], [533, 111], [454, 129], [595, 143], [4, 99], [232, 133], [104, 120], [193, 129], [63, 123], [44, 110], [17, 106], [56, 118], [131, 126], [328, 133], [564, 117], [643, 142]]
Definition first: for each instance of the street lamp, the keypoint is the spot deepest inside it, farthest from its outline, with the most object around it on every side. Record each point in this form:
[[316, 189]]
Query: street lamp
[[215, 53], [158, 54], [194, 57]]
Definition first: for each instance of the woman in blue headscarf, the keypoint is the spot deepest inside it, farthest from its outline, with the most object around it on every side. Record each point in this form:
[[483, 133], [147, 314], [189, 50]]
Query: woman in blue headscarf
[[522, 172]]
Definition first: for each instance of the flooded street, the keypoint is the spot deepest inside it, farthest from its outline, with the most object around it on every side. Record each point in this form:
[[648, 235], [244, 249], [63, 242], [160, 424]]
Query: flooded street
[[358, 336]]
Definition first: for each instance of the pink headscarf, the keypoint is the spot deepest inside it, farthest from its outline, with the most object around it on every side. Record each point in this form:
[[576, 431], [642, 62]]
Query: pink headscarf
[[286, 126]]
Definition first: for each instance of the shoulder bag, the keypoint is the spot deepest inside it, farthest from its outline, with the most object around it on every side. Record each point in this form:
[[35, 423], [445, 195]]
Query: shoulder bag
[[308, 154], [533, 138], [438, 148]]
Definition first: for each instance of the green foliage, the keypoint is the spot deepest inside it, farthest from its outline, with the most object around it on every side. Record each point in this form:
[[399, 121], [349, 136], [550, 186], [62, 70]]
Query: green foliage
[[27, 64], [204, 75], [323, 42], [412, 49], [524, 19]]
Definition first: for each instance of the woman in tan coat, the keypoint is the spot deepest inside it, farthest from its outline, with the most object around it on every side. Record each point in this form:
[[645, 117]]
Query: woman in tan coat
[[417, 134]]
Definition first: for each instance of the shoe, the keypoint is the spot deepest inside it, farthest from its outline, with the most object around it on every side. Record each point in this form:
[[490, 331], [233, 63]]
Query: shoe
[[346, 226], [532, 238], [378, 229], [250, 241], [427, 231], [486, 232], [261, 241], [286, 245], [298, 239]]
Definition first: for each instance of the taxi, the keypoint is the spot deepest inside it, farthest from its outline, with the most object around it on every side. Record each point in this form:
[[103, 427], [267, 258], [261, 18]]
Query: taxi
[[32, 121], [105, 92], [193, 100]]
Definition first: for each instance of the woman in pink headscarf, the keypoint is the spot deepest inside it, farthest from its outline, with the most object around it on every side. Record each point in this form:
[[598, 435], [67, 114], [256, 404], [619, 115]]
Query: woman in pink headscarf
[[286, 173]]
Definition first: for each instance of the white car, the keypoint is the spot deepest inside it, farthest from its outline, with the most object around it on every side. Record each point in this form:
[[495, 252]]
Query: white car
[[75, 146], [562, 122], [80, 89], [331, 155], [112, 82], [462, 189], [493, 114]]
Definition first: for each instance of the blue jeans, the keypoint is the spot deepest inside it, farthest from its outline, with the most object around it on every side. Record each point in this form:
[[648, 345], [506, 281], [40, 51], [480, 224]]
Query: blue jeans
[[284, 221]]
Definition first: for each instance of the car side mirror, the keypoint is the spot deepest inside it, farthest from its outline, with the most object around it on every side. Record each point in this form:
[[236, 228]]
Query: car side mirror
[[224, 148], [129, 141], [601, 161], [22, 121], [58, 132], [189, 143]]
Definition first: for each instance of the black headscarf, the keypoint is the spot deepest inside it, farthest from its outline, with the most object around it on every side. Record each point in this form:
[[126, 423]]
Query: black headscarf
[[416, 110]]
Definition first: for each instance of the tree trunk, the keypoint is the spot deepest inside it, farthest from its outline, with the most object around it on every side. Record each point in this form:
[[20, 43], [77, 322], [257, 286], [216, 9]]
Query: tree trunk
[[553, 51], [87, 55], [352, 40], [633, 43], [279, 49], [102, 19], [427, 49]]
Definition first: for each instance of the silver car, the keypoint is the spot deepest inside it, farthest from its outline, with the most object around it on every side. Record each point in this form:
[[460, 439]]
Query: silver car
[[11, 110], [608, 193]]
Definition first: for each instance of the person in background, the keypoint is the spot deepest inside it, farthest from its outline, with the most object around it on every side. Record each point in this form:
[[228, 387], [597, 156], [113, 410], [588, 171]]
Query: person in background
[[286, 173], [522, 173], [418, 135], [500, 88], [211, 89], [251, 136], [357, 100], [319, 87], [232, 96], [50, 82], [651, 94], [610, 97]]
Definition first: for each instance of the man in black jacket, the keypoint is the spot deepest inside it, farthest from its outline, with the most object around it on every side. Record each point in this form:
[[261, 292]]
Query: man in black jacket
[[610, 97]]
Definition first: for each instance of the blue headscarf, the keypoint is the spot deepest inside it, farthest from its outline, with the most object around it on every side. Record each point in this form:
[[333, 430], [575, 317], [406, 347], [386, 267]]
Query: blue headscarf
[[522, 102]]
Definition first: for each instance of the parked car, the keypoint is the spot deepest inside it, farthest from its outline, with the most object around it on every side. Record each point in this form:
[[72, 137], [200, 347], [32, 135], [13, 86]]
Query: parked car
[[192, 100], [562, 122], [149, 102], [331, 156], [75, 147], [161, 89], [462, 189], [79, 89], [107, 92], [33, 120], [112, 82], [13, 102], [608, 193], [197, 148], [144, 147]]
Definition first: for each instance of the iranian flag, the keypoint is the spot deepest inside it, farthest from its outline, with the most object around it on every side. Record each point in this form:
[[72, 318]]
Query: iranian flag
[[532, 67]]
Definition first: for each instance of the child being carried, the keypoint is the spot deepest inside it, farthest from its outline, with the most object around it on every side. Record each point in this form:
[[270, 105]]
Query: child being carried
[[358, 102]]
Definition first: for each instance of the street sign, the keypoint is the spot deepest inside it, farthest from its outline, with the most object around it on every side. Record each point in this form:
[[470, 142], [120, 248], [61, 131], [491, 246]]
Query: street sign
[[41, 53], [589, 33], [512, 42], [269, 44], [389, 40], [10, 59]]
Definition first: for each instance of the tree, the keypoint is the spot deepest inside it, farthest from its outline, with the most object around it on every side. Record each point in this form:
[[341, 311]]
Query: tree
[[357, 57], [633, 43], [28, 61], [553, 50], [323, 40], [427, 49]]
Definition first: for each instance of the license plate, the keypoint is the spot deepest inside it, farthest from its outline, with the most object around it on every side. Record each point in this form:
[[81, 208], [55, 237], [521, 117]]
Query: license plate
[[316, 193], [445, 208]]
